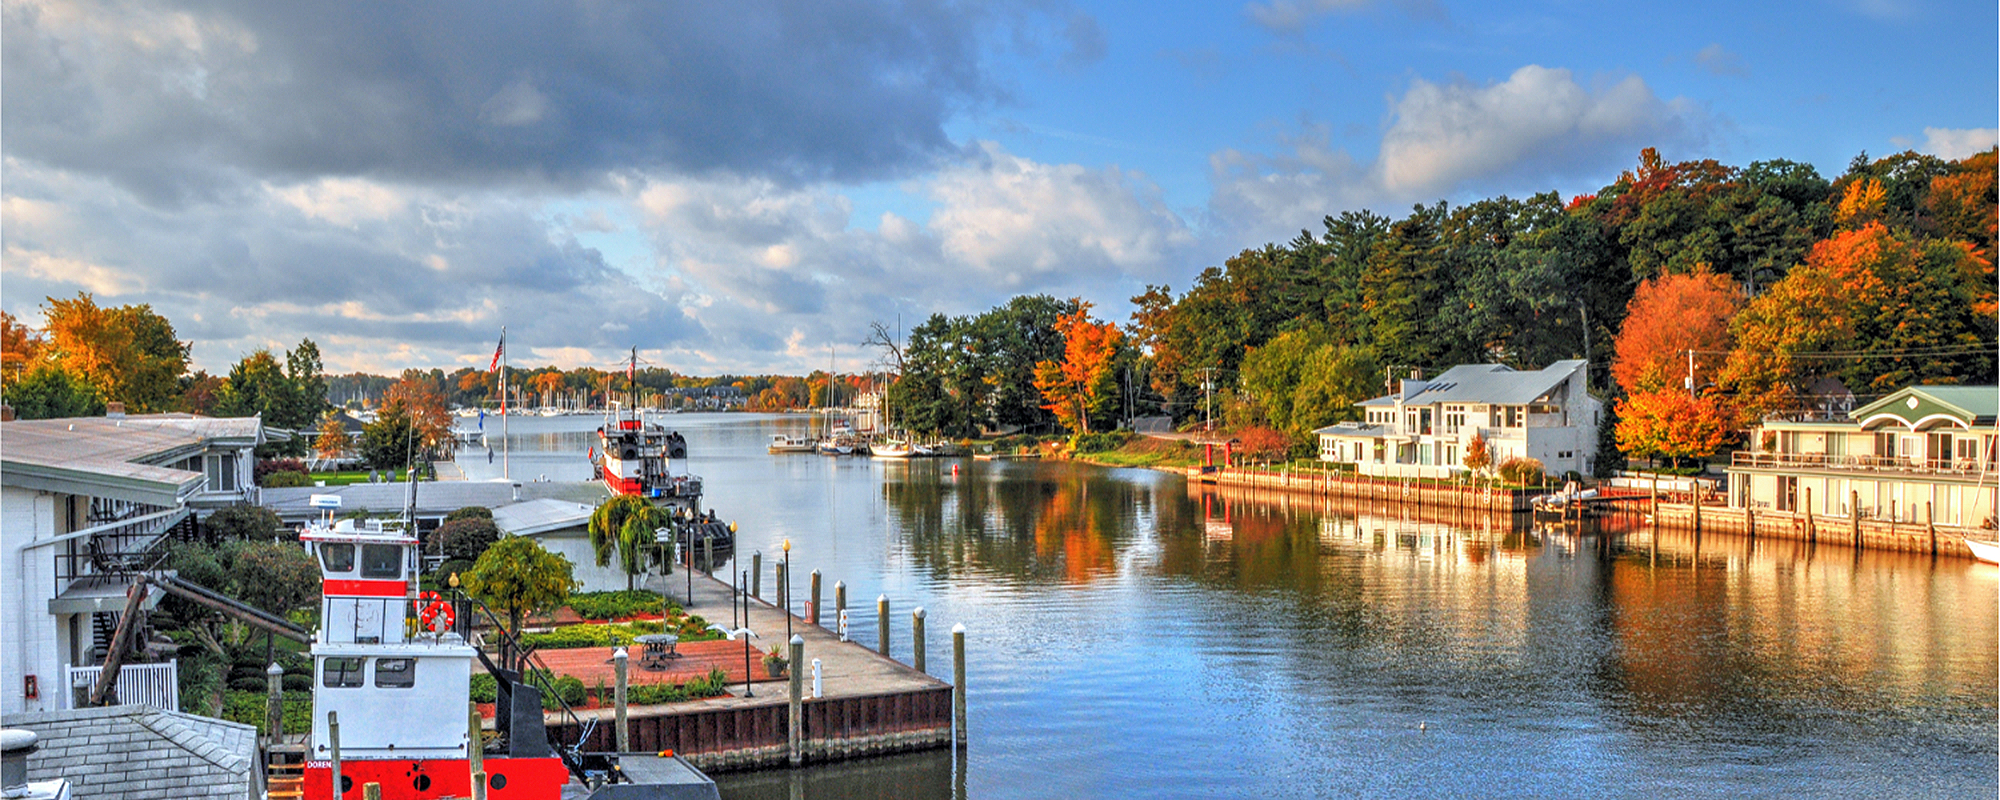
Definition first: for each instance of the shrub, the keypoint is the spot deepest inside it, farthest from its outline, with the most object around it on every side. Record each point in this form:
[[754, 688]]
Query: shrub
[[573, 636], [466, 538], [485, 689], [235, 523], [287, 479], [470, 512], [1521, 471], [569, 688], [693, 689], [266, 467], [616, 605], [1100, 442], [248, 708]]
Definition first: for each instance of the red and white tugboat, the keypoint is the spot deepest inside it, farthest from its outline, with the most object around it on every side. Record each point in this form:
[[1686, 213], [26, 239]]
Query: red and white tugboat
[[635, 456], [393, 668]]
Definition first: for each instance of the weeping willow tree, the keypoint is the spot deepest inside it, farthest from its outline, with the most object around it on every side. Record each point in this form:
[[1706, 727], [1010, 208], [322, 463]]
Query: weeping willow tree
[[624, 528]]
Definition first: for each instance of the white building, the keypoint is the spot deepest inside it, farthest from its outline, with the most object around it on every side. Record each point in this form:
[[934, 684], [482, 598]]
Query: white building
[[1423, 430], [83, 503]]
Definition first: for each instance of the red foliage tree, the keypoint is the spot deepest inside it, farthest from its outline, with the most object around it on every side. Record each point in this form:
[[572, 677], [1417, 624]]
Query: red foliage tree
[[1668, 316]]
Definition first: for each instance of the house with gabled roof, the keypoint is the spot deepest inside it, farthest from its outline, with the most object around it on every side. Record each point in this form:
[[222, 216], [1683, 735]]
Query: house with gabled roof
[[1425, 428], [1918, 454], [85, 503]]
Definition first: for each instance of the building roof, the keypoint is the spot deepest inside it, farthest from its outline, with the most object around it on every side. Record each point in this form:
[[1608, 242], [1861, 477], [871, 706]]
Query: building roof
[[1495, 384], [136, 752], [434, 498], [117, 457], [545, 515], [1354, 429], [1972, 406]]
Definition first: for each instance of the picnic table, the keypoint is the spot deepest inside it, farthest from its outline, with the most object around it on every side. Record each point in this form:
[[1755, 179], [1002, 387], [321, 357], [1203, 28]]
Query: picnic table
[[659, 648]]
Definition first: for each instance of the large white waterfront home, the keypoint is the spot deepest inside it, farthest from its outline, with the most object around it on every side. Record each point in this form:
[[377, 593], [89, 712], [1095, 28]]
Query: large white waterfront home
[[1922, 451], [84, 502], [1423, 429]]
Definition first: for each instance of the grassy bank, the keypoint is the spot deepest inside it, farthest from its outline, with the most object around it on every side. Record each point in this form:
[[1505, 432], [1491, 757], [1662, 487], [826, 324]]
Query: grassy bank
[[1144, 451]]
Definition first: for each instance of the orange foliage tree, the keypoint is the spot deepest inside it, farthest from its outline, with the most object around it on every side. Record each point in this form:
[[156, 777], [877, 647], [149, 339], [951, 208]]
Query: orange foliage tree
[[1264, 444], [1083, 384], [1669, 423], [1668, 316], [20, 346], [1902, 310]]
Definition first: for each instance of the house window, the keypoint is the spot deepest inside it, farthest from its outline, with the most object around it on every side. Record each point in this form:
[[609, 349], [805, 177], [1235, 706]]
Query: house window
[[222, 472], [1937, 448], [1424, 422], [1454, 418], [343, 672], [1788, 494], [1492, 416], [1513, 416], [1885, 444], [395, 673]]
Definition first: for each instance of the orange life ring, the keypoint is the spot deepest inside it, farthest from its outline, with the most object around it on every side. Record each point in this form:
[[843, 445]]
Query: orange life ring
[[436, 609]]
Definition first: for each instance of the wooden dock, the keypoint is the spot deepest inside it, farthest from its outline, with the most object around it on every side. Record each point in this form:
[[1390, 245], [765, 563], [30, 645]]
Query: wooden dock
[[872, 704]]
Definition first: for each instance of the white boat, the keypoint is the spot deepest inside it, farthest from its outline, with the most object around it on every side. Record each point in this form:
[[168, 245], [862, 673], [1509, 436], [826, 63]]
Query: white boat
[[1988, 552], [836, 447], [783, 443], [890, 448]]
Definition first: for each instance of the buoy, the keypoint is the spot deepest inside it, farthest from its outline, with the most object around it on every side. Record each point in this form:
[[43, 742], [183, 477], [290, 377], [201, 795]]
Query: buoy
[[954, 470]]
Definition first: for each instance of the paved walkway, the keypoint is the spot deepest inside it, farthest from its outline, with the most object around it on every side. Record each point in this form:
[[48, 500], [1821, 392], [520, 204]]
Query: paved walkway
[[448, 471], [847, 668]]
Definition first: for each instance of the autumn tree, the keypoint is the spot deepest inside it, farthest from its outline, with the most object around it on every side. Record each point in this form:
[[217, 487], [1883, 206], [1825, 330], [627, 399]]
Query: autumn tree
[[1669, 423], [1669, 316], [412, 420], [1478, 457], [1084, 383], [127, 354], [20, 347], [517, 577], [333, 440]]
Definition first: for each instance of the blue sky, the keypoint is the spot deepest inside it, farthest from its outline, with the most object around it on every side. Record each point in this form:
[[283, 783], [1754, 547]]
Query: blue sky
[[731, 189]]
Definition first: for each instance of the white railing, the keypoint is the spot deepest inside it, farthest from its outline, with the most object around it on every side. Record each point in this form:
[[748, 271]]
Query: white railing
[[156, 685]]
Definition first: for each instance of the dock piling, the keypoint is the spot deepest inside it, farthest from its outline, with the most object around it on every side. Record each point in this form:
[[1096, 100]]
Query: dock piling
[[917, 629], [882, 624], [333, 741], [812, 611], [1930, 521], [757, 574], [840, 607], [371, 791], [621, 662], [475, 755], [797, 704], [958, 683], [274, 703], [1854, 514]]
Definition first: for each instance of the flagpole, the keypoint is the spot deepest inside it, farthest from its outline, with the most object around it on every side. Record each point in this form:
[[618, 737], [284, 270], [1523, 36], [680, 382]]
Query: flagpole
[[505, 448]]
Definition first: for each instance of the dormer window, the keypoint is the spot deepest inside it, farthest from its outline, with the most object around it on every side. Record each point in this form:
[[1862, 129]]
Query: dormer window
[[337, 557], [381, 561]]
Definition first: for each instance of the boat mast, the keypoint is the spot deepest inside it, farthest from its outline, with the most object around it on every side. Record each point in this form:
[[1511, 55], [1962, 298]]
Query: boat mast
[[505, 450]]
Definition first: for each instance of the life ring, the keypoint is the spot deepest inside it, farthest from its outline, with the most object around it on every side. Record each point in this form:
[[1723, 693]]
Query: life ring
[[436, 610]]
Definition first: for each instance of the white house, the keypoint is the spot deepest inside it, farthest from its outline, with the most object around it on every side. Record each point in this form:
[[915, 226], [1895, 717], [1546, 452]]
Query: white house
[[84, 502], [1424, 428]]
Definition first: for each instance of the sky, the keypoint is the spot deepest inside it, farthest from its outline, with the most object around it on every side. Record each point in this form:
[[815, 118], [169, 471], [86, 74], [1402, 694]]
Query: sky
[[744, 188]]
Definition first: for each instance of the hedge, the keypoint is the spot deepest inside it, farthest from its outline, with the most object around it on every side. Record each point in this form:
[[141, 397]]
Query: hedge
[[616, 605]]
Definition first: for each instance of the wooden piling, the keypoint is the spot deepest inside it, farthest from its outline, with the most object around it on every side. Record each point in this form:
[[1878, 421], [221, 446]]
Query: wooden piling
[[1854, 513], [917, 638], [757, 574], [812, 611], [475, 755], [882, 624], [1930, 521], [333, 743], [621, 664], [274, 703], [1812, 530], [797, 704], [371, 791], [958, 683]]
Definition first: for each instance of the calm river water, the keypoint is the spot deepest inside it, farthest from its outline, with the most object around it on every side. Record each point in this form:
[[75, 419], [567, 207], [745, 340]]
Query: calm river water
[[1135, 636]]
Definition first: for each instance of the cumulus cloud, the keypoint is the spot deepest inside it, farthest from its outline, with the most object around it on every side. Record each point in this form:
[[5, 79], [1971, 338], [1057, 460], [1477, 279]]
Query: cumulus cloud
[[1538, 125], [177, 102], [1957, 143]]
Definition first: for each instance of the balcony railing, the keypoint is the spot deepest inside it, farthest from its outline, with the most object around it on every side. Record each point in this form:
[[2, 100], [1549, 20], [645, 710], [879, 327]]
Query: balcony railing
[[1962, 467], [114, 548]]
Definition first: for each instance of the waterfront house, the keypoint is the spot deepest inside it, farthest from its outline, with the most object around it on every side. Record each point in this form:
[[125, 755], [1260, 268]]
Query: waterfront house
[[1424, 428], [84, 502], [1921, 450]]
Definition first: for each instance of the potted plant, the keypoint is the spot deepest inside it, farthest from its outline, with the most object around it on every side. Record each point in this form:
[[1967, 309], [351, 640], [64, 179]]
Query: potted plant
[[775, 662]]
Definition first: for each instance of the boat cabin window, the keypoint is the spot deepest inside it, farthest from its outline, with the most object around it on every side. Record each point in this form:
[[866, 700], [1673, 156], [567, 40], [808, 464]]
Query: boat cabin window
[[337, 556], [395, 673], [381, 561], [341, 673]]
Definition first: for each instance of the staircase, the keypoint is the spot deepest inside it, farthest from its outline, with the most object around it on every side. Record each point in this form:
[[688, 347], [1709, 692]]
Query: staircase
[[284, 771]]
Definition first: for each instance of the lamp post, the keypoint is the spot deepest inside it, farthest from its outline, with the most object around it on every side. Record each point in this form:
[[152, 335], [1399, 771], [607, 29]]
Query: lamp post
[[786, 590]]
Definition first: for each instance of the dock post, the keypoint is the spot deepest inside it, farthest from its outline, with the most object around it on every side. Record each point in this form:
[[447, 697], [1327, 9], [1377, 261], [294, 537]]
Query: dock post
[[882, 623], [475, 755], [622, 665], [707, 556], [1854, 513], [333, 741], [1694, 493], [757, 574], [819, 688], [840, 608], [958, 683], [1930, 521], [798, 699], [1653, 501], [371, 791], [1812, 530], [917, 626], [274, 703], [1750, 519], [812, 611]]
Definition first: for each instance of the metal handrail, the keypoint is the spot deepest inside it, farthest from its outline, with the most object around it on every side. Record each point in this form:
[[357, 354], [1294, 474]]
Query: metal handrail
[[543, 679], [1940, 466]]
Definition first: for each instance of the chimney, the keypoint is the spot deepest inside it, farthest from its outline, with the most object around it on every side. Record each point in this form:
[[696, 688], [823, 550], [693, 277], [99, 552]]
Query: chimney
[[114, 410], [1416, 373]]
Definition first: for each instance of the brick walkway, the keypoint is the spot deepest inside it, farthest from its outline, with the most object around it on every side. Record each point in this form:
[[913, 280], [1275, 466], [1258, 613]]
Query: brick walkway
[[592, 664]]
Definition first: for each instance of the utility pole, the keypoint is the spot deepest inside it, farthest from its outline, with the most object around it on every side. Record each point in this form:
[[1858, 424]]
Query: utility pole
[[1690, 377], [1207, 399]]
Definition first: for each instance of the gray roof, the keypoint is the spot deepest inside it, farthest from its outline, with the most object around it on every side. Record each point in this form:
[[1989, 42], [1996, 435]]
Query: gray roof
[[541, 516], [120, 454], [136, 752], [434, 498], [1354, 429], [1495, 384]]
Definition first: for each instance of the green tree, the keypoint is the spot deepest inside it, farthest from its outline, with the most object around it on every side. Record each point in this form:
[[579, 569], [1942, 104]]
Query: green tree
[[465, 539], [623, 528], [48, 391], [278, 577], [127, 354], [242, 523], [517, 577]]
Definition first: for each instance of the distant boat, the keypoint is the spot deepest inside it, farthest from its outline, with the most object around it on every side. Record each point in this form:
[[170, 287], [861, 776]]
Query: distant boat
[[1988, 552], [890, 448], [836, 447], [782, 443]]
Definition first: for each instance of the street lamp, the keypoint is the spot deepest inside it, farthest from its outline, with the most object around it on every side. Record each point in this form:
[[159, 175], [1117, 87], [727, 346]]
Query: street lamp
[[786, 589]]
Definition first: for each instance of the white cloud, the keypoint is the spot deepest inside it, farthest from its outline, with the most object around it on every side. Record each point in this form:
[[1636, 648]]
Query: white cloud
[[1537, 126], [94, 278], [1957, 143], [342, 201], [1719, 61]]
